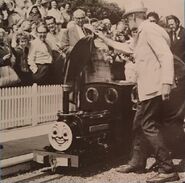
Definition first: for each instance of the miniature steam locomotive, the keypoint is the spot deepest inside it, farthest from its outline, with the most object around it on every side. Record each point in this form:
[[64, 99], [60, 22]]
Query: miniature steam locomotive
[[102, 125]]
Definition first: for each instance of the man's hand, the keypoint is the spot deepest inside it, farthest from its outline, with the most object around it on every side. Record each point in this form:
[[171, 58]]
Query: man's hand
[[6, 57], [166, 89], [100, 34], [34, 69]]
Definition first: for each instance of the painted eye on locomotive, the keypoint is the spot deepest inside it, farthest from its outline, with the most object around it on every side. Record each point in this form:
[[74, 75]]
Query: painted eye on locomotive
[[111, 95], [92, 95]]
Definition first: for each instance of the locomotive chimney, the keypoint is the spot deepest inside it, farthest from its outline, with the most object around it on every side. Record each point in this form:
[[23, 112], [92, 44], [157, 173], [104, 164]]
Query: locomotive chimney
[[66, 99]]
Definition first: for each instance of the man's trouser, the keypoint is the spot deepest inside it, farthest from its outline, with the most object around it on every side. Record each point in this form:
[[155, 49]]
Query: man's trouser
[[42, 76], [147, 124], [174, 116]]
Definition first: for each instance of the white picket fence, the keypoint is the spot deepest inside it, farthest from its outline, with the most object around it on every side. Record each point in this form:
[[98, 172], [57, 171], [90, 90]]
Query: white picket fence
[[30, 105]]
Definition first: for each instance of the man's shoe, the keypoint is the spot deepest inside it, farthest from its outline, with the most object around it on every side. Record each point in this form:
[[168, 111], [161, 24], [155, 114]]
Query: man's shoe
[[129, 168], [164, 177]]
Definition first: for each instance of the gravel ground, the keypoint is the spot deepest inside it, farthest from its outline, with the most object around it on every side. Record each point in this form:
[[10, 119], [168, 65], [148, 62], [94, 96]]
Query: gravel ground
[[111, 176], [93, 174]]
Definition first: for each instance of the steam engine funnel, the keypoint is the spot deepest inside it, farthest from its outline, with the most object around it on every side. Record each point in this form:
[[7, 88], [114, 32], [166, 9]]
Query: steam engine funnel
[[66, 92]]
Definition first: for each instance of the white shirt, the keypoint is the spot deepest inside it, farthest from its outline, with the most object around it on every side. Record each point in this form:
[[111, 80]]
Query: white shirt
[[55, 40], [38, 54]]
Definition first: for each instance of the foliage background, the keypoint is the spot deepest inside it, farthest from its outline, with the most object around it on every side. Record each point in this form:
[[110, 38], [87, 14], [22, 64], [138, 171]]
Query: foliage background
[[99, 8]]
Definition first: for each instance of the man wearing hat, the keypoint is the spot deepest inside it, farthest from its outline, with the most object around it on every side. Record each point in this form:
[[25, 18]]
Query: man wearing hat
[[155, 78]]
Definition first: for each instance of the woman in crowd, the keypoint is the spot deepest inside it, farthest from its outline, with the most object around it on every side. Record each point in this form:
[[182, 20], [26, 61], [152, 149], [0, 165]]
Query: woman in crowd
[[8, 77], [34, 14], [21, 54]]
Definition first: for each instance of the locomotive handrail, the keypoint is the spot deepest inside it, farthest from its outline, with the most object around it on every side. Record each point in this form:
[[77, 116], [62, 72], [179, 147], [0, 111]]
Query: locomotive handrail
[[117, 82]]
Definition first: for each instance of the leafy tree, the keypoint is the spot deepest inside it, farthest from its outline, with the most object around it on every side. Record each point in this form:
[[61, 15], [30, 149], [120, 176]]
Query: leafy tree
[[99, 8]]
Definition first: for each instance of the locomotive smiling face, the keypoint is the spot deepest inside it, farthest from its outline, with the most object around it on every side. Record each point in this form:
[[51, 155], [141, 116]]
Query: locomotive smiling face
[[60, 136]]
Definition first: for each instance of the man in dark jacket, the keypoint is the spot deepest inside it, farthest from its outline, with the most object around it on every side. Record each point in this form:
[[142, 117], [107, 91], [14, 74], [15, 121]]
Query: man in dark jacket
[[177, 36]]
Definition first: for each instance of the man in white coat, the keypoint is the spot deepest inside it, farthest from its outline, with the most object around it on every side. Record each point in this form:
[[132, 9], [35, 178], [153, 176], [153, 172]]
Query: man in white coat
[[155, 77]]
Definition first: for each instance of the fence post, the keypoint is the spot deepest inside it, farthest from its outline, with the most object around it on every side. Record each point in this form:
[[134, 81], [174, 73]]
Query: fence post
[[34, 105]]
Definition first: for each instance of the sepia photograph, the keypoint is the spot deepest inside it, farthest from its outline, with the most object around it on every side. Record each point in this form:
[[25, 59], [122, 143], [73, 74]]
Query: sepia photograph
[[92, 91]]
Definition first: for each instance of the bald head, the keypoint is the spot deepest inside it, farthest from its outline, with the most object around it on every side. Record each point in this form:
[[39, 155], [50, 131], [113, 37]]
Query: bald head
[[78, 13]]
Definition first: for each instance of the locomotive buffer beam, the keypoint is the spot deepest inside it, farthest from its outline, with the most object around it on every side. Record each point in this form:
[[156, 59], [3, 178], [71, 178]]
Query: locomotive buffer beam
[[55, 159]]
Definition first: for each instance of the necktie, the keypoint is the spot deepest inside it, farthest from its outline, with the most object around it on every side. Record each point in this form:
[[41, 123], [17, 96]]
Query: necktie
[[174, 36]]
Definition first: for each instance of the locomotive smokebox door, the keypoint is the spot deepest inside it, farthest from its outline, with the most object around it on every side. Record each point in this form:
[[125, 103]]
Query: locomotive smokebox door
[[106, 96], [116, 98]]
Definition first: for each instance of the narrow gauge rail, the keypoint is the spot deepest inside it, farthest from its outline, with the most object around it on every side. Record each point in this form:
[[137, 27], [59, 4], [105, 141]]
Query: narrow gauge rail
[[43, 175]]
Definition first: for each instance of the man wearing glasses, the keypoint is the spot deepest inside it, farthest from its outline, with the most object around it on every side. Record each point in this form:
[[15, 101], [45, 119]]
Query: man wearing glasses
[[74, 31], [40, 57]]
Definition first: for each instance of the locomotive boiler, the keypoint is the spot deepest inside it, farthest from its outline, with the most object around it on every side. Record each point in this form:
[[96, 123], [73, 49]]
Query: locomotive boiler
[[101, 125]]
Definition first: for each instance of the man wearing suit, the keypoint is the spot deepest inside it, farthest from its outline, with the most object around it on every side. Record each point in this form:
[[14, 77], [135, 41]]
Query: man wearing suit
[[154, 68], [177, 35], [74, 31]]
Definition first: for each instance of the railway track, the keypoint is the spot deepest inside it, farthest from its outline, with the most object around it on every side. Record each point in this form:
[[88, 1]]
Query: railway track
[[92, 174], [43, 175]]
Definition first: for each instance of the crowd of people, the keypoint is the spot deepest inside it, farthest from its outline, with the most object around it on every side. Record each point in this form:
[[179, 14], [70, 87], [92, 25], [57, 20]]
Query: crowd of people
[[31, 42], [37, 38]]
